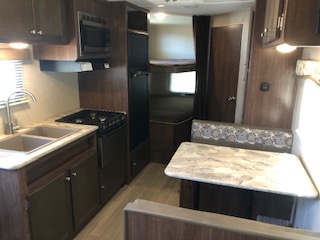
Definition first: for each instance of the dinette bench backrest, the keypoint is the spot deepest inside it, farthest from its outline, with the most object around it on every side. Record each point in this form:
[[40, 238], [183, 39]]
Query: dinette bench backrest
[[241, 136]]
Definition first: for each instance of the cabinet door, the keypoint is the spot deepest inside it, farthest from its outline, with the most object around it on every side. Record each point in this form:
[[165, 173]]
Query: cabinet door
[[273, 208], [16, 20], [272, 24], [225, 200], [85, 190], [50, 210], [50, 22]]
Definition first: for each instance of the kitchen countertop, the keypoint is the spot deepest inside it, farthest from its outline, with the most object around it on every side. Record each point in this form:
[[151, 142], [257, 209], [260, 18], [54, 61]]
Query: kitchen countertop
[[12, 160], [264, 171]]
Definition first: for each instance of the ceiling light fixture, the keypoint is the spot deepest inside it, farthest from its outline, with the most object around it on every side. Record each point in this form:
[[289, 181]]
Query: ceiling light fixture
[[170, 0], [160, 15]]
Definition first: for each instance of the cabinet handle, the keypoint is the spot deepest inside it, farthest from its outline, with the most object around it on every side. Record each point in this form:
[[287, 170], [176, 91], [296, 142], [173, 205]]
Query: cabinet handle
[[74, 174], [134, 164], [103, 187], [33, 32], [68, 179], [40, 32]]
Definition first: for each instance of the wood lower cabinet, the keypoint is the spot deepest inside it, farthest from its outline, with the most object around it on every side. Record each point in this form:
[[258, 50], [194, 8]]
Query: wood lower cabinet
[[33, 21], [225, 200], [261, 206], [54, 197], [273, 208], [66, 204], [84, 190], [50, 210]]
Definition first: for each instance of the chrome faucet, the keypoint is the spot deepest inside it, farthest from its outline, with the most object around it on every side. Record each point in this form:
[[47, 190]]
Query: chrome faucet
[[10, 126]]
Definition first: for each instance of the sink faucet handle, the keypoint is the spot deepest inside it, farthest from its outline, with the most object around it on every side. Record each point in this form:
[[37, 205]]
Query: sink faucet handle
[[15, 127]]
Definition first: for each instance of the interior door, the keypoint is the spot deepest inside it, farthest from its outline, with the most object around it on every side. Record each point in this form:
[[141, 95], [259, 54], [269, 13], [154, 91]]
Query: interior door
[[224, 72]]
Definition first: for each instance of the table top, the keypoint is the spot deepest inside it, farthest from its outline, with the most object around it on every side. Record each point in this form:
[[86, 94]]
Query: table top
[[280, 173]]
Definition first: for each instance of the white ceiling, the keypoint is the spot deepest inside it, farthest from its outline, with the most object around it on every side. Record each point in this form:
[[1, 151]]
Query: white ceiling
[[192, 7]]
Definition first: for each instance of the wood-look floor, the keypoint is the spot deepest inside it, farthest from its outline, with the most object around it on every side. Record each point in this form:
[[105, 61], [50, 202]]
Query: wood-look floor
[[151, 184]]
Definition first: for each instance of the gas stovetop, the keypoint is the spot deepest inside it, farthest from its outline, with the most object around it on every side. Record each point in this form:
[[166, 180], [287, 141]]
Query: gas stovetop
[[105, 120]]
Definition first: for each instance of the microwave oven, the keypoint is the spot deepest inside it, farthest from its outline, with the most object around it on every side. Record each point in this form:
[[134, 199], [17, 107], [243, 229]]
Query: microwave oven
[[94, 36]]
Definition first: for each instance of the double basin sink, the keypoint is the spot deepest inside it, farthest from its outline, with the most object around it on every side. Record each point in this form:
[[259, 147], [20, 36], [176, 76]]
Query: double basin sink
[[35, 138]]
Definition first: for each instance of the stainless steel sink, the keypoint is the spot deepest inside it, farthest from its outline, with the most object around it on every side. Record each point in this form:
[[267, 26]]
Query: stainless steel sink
[[23, 143], [51, 131], [35, 138]]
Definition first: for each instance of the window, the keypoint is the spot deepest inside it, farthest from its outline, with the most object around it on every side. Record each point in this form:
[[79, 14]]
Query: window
[[184, 82], [11, 79]]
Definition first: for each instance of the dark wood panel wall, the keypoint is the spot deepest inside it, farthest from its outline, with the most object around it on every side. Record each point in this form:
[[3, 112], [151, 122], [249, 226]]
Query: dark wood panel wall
[[273, 108], [108, 89]]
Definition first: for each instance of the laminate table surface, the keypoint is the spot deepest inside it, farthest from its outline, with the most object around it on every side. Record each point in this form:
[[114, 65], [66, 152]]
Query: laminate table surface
[[273, 172]]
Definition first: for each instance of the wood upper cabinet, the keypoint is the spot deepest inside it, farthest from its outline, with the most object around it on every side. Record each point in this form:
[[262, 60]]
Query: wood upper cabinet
[[293, 22], [50, 20], [33, 21], [137, 20], [273, 23], [71, 50]]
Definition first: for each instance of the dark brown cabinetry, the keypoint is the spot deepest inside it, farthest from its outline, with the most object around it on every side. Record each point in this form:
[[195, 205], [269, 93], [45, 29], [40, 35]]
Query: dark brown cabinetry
[[262, 206], [71, 51], [291, 22], [137, 20], [55, 196], [50, 210], [33, 21], [273, 23]]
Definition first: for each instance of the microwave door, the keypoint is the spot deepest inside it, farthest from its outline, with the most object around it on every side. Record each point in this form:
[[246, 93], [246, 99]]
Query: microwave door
[[94, 39]]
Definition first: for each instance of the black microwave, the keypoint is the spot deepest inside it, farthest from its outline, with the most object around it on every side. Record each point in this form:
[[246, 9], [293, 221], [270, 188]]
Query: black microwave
[[94, 36]]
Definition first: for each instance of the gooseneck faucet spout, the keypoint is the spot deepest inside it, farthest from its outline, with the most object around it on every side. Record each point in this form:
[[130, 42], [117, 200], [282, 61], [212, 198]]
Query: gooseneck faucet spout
[[9, 123]]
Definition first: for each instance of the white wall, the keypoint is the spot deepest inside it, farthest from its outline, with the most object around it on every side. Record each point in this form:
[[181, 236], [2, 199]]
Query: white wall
[[56, 93], [306, 130], [171, 41], [244, 18]]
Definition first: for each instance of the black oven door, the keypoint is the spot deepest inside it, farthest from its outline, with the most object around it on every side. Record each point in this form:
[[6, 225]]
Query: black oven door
[[112, 162], [112, 147]]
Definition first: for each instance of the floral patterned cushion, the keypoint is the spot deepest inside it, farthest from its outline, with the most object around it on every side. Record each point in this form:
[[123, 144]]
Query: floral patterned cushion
[[245, 136]]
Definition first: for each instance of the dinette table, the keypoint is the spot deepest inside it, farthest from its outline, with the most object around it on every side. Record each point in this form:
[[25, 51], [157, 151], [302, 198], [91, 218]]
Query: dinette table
[[253, 184]]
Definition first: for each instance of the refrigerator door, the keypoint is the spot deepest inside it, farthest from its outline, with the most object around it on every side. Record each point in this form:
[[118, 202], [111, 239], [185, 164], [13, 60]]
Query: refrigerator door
[[138, 63], [139, 109]]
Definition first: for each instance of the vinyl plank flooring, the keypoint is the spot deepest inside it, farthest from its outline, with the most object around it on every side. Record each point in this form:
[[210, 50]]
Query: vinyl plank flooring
[[151, 184]]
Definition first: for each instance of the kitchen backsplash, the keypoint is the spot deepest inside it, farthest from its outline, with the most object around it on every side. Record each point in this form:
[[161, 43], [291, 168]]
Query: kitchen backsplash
[[55, 92]]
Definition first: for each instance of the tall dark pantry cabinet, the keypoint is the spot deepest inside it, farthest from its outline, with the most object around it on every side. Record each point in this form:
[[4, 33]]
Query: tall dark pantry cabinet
[[124, 87]]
